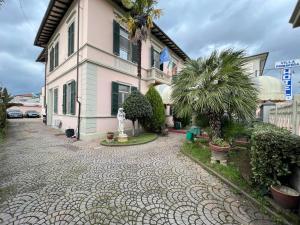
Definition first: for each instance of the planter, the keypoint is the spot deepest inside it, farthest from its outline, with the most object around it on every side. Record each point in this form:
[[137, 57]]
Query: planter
[[69, 133], [242, 142], [110, 137], [219, 154], [286, 197]]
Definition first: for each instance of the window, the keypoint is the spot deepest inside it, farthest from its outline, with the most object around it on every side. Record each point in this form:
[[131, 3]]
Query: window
[[54, 56], [124, 92], [156, 57], [69, 93], [71, 39], [122, 46], [55, 100], [119, 94]]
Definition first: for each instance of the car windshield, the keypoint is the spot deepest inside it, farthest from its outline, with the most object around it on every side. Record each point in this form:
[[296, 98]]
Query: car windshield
[[15, 111], [31, 112]]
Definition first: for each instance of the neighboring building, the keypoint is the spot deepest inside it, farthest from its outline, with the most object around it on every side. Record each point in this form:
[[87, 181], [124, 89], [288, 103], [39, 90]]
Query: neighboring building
[[295, 18], [29, 102], [107, 69], [255, 64]]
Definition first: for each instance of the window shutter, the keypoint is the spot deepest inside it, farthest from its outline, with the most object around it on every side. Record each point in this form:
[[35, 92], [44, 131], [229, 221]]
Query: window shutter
[[133, 89], [55, 100], [51, 59], [152, 56], [114, 98], [73, 93], [71, 39], [116, 38], [134, 53], [64, 99], [56, 54]]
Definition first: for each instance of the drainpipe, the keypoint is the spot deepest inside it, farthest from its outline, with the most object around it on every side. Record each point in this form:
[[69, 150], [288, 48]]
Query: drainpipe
[[45, 91], [77, 68]]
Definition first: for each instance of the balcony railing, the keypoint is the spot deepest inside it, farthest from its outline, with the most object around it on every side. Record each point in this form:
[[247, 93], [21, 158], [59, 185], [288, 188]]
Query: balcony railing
[[157, 76]]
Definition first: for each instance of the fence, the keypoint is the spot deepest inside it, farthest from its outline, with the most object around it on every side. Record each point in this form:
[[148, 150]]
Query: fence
[[287, 116]]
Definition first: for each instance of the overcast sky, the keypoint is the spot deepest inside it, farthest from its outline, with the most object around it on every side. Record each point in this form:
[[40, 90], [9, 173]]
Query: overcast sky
[[197, 26]]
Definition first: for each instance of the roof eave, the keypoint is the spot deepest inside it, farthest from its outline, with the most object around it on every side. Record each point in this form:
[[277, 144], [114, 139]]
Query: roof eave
[[295, 18]]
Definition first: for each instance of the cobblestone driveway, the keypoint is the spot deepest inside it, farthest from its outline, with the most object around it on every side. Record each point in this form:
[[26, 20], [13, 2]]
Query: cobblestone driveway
[[46, 180]]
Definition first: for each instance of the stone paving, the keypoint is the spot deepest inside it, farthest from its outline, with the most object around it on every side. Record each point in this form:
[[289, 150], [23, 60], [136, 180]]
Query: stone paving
[[45, 179]]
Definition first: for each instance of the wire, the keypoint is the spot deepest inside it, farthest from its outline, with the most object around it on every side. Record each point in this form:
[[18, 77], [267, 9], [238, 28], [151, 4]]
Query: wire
[[25, 17]]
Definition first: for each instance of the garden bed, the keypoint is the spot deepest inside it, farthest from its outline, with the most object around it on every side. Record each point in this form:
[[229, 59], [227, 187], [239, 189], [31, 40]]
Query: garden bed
[[138, 140], [236, 174]]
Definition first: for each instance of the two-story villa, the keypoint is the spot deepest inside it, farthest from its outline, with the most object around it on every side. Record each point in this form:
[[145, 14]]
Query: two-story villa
[[90, 64]]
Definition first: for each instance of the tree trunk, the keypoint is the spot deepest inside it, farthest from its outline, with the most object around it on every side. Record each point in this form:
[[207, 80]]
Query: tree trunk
[[133, 129], [215, 124], [139, 62]]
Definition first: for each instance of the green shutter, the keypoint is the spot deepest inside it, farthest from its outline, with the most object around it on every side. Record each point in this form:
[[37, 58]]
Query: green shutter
[[134, 53], [133, 89], [152, 56], [114, 98], [64, 99], [51, 59], [73, 94], [71, 39], [56, 52], [116, 38], [55, 98]]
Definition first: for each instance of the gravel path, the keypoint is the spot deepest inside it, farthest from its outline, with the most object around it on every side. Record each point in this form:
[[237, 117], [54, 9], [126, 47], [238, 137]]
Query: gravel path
[[44, 179]]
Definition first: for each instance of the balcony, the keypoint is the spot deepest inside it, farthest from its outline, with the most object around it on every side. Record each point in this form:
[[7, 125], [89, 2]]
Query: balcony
[[159, 77]]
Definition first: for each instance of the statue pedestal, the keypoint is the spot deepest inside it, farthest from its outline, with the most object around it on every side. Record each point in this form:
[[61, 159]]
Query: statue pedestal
[[122, 138]]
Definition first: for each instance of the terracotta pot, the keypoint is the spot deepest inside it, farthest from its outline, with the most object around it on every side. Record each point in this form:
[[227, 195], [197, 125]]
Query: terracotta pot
[[286, 197], [110, 135], [241, 142], [217, 148]]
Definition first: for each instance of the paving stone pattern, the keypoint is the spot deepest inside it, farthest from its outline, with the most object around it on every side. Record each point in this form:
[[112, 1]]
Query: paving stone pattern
[[45, 179]]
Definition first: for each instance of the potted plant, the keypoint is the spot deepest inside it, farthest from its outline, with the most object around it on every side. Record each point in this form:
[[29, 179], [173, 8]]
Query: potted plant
[[219, 149], [110, 137], [285, 196]]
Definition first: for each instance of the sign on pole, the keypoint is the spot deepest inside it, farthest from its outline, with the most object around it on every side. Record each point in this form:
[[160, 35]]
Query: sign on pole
[[287, 63], [287, 80]]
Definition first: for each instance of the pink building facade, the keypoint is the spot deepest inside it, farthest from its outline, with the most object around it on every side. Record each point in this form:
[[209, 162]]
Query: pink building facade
[[105, 63]]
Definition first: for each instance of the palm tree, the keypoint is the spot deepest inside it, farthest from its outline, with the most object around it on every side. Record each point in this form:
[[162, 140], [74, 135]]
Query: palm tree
[[139, 21], [214, 86]]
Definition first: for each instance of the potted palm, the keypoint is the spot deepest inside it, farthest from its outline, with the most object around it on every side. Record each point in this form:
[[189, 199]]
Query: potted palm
[[219, 149]]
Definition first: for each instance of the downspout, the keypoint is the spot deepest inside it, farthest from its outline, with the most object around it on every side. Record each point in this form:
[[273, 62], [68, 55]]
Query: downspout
[[77, 68], [45, 91]]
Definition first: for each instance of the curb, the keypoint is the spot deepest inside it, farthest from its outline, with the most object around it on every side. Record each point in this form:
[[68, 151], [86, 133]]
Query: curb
[[239, 190], [120, 145]]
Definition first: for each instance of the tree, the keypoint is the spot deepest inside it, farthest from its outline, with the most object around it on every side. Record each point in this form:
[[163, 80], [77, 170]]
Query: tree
[[139, 22], [137, 107], [157, 120], [5, 98], [215, 86]]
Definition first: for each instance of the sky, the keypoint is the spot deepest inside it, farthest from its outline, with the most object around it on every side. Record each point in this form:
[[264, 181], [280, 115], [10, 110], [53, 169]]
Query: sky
[[197, 26]]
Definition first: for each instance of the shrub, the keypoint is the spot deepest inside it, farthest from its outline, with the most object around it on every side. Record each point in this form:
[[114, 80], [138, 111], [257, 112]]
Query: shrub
[[137, 107], [2, 116], [233, 130], [219, 142], [273, 152], [157, 120]]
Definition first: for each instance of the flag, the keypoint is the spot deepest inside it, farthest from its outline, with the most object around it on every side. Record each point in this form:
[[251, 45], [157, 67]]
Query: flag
[[164, 56]]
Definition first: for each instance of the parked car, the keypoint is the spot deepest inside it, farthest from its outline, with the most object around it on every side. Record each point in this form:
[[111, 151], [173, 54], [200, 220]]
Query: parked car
[[14, 113], [32, 114]]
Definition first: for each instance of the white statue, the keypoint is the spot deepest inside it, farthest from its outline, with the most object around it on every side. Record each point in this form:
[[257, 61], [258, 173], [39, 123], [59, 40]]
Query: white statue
[[121, 118]]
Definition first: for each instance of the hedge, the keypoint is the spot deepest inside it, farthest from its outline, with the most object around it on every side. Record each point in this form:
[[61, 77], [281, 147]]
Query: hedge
[[273, 152], [2, 116]]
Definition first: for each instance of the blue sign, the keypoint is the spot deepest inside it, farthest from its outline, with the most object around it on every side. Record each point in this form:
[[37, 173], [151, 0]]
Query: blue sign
[[287, 80]]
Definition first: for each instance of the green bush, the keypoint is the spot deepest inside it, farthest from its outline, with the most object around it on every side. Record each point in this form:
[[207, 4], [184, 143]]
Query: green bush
[[273, 152], [2, 116], [157, 120], [232, 130], [202, 120], [137, 107]]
